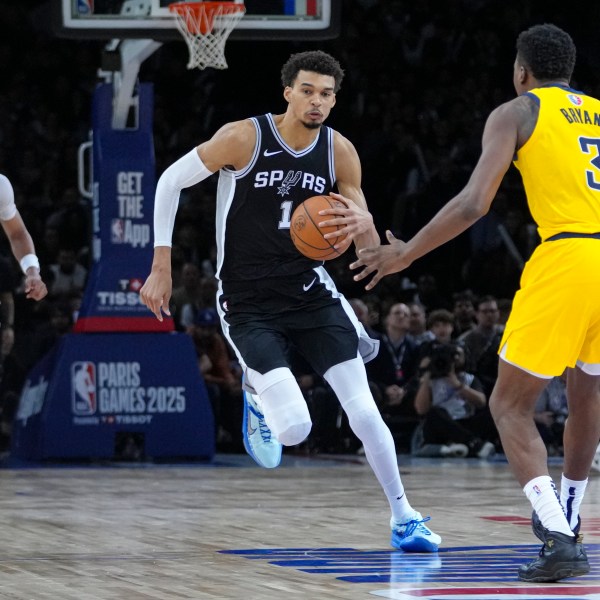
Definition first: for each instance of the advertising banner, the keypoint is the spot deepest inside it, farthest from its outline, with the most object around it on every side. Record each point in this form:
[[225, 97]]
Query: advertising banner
[[123, 200], [91, 388]]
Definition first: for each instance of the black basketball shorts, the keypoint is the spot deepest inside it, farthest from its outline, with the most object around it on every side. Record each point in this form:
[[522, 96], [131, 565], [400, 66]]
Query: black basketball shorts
[[267, 321]]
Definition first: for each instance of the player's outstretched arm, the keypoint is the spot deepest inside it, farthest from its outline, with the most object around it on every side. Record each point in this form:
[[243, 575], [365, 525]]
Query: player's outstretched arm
[[472, 202]]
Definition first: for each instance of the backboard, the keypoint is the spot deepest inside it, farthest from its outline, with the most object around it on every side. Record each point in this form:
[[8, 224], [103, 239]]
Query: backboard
[[264, 19]]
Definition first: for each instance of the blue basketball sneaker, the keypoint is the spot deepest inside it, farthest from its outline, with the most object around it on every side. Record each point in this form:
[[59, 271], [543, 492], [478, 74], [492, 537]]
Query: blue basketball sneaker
[[260, 444], [414, 535]]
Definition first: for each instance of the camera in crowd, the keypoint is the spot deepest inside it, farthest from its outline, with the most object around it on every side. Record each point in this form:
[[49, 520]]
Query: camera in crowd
[[443, 358]]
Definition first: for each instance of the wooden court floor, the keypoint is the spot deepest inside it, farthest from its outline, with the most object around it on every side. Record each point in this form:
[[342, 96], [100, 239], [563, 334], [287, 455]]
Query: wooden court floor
[[315, 528]]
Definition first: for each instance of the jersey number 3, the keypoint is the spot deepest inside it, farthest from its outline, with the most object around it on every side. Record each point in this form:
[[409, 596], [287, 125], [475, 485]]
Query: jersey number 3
[[589, 145]]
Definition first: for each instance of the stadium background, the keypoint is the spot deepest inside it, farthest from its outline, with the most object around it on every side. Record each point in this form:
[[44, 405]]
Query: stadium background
[[421, 77]]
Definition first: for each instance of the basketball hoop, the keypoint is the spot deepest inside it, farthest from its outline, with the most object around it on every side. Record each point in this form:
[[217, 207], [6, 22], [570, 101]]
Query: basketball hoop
[[205, 26]]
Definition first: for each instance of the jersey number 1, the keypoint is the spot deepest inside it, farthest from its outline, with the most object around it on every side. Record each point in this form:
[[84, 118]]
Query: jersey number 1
[[286, 214]]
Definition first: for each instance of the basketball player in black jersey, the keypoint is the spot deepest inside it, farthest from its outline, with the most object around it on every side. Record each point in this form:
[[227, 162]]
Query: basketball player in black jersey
[[271, 299]]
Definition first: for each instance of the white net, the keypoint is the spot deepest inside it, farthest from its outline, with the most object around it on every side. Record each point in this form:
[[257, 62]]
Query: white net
[[205, 27]]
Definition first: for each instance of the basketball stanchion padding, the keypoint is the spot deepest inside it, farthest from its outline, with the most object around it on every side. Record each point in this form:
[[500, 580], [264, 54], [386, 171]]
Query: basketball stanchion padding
[[205, 26]]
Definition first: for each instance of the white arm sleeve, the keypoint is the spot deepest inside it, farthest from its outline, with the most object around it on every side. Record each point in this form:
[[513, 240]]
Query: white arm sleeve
[[7, 200], [185, 172]]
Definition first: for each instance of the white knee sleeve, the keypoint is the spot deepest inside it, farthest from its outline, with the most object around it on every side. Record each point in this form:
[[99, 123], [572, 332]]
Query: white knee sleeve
[[283, 405]]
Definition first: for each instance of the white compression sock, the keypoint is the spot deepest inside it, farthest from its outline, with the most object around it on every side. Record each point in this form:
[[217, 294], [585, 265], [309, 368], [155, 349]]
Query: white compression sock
[[571, 495], [349, 382], [542, 494]]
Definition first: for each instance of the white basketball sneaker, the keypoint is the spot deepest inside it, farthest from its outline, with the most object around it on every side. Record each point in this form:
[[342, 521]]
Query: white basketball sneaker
[[414, 535], [260, 444]]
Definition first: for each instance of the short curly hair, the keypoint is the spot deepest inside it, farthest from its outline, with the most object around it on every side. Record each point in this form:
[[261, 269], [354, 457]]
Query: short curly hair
[[315, 61], [548, 52]]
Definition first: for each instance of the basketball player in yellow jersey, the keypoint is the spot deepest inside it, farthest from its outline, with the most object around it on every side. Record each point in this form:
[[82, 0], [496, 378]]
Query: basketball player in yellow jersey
[[555, 132]]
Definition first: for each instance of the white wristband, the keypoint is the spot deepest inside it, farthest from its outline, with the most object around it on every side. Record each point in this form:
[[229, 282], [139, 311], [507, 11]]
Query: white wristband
[[29, 260]]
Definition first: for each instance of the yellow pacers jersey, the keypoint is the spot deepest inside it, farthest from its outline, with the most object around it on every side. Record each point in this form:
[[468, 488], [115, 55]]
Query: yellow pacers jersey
[[560, 163]]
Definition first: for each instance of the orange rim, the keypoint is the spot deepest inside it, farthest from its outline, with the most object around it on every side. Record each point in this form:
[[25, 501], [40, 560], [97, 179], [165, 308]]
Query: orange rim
[[204, 14]]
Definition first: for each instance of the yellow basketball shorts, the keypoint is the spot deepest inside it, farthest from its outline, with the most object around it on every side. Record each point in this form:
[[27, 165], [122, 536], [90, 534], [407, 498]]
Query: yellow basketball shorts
[[555, 318]]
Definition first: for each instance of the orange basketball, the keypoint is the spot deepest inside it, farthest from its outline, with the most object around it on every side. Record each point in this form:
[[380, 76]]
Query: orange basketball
[[306, 233]]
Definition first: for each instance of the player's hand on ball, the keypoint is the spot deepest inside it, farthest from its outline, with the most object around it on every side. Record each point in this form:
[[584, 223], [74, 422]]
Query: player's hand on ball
[[382, 261], [351, 219]]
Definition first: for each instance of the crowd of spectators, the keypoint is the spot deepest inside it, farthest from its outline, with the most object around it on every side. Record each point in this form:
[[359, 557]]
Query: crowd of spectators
[[421, 78]]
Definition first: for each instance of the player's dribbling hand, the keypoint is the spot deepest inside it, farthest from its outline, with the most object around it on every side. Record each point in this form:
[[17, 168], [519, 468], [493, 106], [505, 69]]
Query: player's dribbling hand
[[382, 261], [156, 293]]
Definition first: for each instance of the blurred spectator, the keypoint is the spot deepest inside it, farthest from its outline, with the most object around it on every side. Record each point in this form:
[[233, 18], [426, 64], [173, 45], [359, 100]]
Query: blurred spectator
[[396, 361], [373, 302], [71, 220], [504, 308], [208, 267], [481, 343], [456, 419], [49, 246], [361, 310], [417, 325], [222, 379], [205, 298], [551, 412], [390, 372], [67, 275], [7, 311], [440, 325], [428, 293], [59, 322], [331, 432], [186, 293], [464, 312], [185, 238]]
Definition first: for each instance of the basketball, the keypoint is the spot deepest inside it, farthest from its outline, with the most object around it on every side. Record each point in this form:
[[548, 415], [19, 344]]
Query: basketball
[[306, 233]]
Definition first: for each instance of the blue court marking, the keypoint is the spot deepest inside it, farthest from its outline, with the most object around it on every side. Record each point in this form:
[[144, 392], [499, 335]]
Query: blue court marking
[[468, 564]]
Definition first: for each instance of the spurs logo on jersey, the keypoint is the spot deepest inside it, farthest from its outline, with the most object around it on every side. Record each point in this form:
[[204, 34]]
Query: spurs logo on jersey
[[255, 204], [274, 178]]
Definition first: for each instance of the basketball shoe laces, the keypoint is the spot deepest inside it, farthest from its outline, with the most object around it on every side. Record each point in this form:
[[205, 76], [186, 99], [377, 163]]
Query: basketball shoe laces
[[416, 525]]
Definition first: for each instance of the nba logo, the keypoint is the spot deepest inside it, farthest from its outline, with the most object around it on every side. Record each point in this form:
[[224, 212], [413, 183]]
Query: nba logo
[[576, 100], [117, 231], [83, 388], [85, 7]]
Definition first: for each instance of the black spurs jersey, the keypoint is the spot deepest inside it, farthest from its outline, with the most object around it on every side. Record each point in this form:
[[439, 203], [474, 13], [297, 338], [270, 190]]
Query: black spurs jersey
[[255, 205]]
